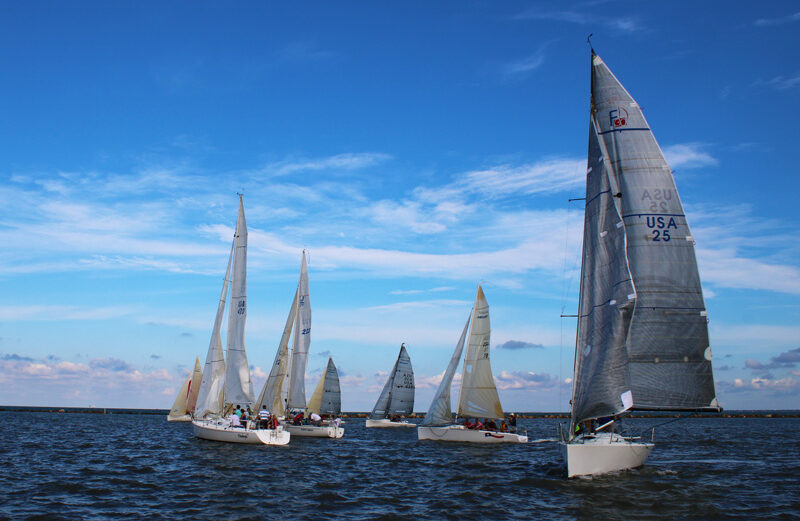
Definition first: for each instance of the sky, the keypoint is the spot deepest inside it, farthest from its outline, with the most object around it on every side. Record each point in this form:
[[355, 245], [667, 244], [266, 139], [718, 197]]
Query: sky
[[414, 149]]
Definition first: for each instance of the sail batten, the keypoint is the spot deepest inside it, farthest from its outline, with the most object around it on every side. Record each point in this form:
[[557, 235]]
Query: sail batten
[[642, 340]]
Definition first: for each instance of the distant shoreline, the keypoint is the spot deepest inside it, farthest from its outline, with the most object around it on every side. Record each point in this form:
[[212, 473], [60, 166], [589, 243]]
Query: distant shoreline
[[532, 415]]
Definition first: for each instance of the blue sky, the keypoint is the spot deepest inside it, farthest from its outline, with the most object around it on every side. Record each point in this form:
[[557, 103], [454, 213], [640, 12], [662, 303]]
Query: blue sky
[[413, 149]]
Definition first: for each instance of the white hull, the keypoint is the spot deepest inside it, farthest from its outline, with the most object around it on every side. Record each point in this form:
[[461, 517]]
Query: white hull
[[459, 433], [386, 423], [313, 431], [603, 453], [219, 430], [184, 418]]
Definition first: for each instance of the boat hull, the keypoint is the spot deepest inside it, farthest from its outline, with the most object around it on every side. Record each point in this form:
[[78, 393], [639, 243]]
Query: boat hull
[[459, 433], [314, 431], [386, 424], [603, 454], [220, 431]]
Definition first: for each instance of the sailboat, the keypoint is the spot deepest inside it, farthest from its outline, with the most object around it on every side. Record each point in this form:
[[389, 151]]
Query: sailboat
[[642, 336], [478, 397], [186, 400], [285, 389], [226, 384], [397, 397]]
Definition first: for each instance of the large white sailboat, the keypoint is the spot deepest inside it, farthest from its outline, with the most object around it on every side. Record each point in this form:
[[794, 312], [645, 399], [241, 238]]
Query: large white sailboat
[[642, 337], [478, 398], [285, 389], [185, 402], [225, 385], [397, 397]]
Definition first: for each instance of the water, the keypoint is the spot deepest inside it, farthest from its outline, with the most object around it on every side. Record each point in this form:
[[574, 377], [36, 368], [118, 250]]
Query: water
[[92, 466]]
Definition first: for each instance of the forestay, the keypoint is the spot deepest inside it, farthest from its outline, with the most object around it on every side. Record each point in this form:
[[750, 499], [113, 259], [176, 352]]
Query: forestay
[[397, 396], [302, 341], [642, 340], [272, 394], [479, 397], [209, 398], [238, 387], [327, 397], [440, 412]]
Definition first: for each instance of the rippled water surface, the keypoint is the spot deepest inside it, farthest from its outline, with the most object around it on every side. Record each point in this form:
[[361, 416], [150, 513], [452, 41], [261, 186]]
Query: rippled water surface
[[92, 466]]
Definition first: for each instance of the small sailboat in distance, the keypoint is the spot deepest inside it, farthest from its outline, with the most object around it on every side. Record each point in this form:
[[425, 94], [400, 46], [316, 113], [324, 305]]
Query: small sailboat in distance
[[397, 397], [642, 335], [185, 402], [478, 397]]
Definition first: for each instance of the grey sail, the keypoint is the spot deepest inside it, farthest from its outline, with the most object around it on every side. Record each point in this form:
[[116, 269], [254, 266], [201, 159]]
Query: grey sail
[[642, 340], [397, 396], [327, 397], [440, 412]]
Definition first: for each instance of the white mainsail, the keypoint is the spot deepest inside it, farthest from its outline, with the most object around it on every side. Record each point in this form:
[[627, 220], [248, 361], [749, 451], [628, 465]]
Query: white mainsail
[[478, 398], [209, 398], [273, 393], [238, 386], [327, 396], [302, 341], [440, 412]]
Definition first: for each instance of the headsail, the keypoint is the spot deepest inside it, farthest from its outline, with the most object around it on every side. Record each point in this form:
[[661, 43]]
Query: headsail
[[397, 396], [272, 395], [302, 341], [440, 412], [238, 386], [209, 398], [479, 397], [642, 340], [194, 386], [179, 408], [327, 397]]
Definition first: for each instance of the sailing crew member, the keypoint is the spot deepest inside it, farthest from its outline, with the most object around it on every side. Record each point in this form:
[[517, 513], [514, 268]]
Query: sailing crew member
[[316, 419], [235, 421], [263, 417]]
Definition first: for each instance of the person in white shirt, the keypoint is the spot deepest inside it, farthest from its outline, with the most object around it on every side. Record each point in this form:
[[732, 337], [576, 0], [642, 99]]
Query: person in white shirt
[[235, 421], [316, 418], [263, 417]]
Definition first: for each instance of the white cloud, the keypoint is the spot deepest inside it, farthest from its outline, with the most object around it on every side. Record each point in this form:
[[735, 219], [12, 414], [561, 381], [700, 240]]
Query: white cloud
[[688, 155], [552, 175], [349, 161], [766, 22], [627, 24], [781, 82]]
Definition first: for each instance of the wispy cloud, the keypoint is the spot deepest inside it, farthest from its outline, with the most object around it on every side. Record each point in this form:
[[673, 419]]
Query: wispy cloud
[[767, 22], [527, 64], [780, 82], [525, 380], [689, 155], [348, 162], [621, 23]]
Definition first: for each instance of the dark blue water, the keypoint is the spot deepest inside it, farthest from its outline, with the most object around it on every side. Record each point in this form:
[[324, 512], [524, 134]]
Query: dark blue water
[[91, 466]]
